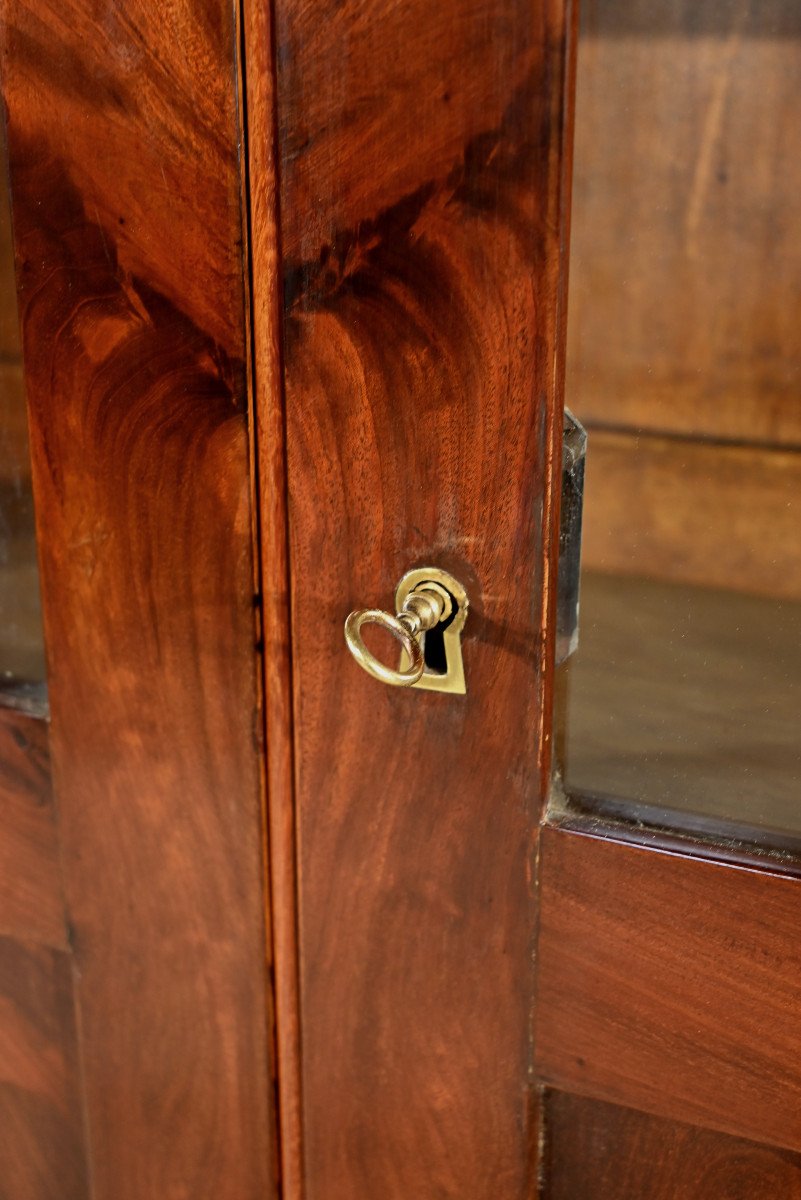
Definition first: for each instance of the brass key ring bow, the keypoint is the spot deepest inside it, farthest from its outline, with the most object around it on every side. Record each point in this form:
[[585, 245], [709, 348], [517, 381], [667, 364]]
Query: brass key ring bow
[[423, 603]]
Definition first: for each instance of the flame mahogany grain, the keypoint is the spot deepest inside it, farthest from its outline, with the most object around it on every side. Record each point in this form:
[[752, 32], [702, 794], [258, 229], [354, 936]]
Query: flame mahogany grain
[[123, 134], [422, 166]]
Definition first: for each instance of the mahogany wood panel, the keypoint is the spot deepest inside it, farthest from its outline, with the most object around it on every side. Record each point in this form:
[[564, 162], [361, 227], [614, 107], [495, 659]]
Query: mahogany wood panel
[[422, 166], [686, 245], [670, 984], [31, 899], [123, 140], [597, 1151], [719, 516], [42, 1154]]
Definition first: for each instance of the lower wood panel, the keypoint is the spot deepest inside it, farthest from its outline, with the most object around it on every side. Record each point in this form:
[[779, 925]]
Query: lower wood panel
[[671, 984], [41, 1134], [598, 1151]]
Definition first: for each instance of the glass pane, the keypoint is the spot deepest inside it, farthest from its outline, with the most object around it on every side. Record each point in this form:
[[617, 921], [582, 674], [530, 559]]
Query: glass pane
[[22, 669], [684, 364]]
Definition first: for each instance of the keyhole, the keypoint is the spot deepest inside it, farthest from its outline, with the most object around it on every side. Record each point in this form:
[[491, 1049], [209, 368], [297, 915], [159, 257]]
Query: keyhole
[[436, 659]]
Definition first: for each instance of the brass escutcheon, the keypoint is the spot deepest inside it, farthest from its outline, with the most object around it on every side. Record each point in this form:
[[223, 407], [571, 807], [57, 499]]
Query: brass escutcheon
[[425, 598]]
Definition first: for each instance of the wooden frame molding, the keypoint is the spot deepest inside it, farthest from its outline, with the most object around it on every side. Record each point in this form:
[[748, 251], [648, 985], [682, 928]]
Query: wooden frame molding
[[269, 431], [651, 994]]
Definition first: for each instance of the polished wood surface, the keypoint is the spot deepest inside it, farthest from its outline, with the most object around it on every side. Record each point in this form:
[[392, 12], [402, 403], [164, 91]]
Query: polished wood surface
[[671, 985], [41, 1117], [31, 899], [123, 137], [422, 199], [598, 1151], [687, 699]]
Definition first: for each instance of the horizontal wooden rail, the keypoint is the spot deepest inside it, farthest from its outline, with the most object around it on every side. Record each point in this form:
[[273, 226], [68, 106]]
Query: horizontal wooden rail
[[671, 984]]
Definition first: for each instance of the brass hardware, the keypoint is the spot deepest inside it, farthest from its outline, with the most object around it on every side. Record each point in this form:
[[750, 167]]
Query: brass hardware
[[424, 599]]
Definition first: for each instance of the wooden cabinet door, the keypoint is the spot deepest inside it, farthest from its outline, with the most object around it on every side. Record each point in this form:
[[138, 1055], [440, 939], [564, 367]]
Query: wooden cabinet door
[[135, 1005], [479, 995], [292, 288], [379, 285], [408, 176]]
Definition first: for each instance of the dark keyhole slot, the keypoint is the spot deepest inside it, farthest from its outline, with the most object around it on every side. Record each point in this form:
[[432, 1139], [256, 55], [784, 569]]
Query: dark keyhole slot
[[434, 645]]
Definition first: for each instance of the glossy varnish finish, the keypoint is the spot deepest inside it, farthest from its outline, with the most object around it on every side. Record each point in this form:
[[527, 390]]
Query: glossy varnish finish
[[670, 984], [126, 191], [598, 1151], [421, 166]]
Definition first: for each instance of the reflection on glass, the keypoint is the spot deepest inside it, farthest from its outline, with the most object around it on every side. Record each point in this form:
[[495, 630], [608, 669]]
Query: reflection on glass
[[684, 364], [22, 669]]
